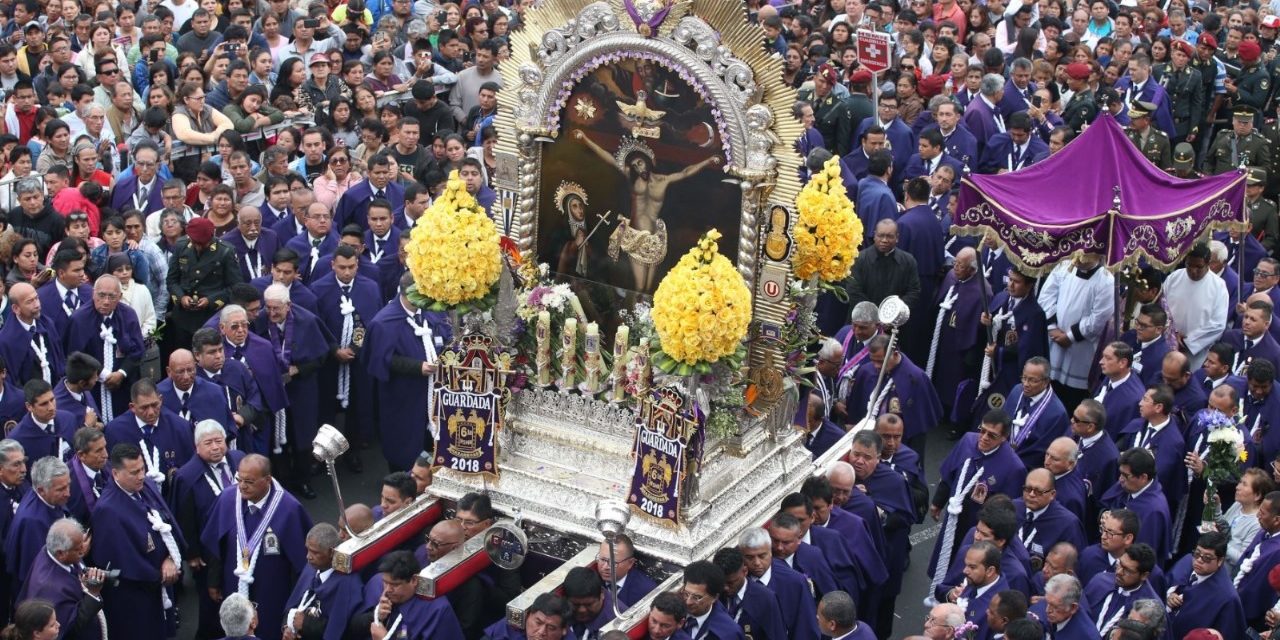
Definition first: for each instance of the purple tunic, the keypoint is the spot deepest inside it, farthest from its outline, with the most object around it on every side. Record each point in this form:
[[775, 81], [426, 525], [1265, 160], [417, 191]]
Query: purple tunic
[[84, 333], [366, 301], [1056, 524], [338, 598], [278, 563], [20, 356], [301, 244], [1153, 513], [299, 294], [26, 534], [257, 262], [402, 399], [1001, 472], [912, 397], [304, 343], [259, 358], [1169, 448], [173, 437], [1035, 427], [69, 403], [1256, 594], [387, 262], [53, 304], [1212, 602], [205, 400], [50, 581], [1120, 401], [37, 443]]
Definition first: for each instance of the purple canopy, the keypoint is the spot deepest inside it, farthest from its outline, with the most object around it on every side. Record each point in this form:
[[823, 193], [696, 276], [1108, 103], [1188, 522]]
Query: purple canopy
[[1098, 195]]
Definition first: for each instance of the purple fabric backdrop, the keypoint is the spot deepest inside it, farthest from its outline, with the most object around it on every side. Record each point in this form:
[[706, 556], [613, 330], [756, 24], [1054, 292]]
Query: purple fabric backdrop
[[1068, 203]]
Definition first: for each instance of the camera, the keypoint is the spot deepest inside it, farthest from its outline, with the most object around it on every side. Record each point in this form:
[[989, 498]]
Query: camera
[[1035, 101], [154, 56], [112, 578], [311, 23]]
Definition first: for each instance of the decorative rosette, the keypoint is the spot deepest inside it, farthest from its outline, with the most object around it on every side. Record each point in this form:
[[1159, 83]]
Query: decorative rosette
[[701, 311], [454, 253], [827, 233]]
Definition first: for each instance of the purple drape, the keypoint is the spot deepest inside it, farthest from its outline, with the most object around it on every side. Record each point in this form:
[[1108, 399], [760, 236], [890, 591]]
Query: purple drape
[[1098, 195]]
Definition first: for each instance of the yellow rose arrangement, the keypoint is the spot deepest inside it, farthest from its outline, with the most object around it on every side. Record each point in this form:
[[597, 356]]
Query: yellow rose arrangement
[[454, 252], [827, 232], [701, 310]]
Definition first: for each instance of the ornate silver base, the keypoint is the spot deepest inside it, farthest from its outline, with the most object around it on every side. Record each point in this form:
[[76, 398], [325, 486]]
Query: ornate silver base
[[561, 454]]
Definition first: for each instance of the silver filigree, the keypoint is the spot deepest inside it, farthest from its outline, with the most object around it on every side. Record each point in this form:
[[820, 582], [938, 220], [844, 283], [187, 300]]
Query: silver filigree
[[760, 140], [526, 111], [695, 34], [595, 19]]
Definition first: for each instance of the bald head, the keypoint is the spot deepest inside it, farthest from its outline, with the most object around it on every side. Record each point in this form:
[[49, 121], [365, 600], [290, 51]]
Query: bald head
[[24, 302], [1041, 476], [1061, 456], [359, 517], [840, 471], [181, 357]]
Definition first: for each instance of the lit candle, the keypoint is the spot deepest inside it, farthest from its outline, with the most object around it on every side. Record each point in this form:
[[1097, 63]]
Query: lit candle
[[569, 342], [543, 335], [620, 344], [591, 346]]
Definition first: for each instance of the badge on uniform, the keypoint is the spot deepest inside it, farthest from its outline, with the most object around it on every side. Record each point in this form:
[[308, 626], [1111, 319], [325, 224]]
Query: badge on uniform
[[357, 337], [979, 494], [1011, 337], [151, 544], [271, 544]]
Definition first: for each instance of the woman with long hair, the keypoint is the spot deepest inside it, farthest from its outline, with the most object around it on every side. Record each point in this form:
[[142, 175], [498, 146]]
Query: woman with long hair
[[222, 209], [841, 35], [792, 64], [85, 168], [249, 111], [260, 69], [289, 81], [101, 37], [161, 97], [343, 123], [196, 124], [455, 148], [33, 620], [25, 265], [271, 33], [383, 79], [909, 101]]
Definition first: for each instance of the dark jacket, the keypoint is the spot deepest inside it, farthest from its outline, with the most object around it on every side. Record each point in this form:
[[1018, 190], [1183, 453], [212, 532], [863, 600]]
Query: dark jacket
[[876, 277]]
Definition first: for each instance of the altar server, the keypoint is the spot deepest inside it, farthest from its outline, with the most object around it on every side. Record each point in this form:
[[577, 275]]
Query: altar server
[[1078, 301], [1198, 305]]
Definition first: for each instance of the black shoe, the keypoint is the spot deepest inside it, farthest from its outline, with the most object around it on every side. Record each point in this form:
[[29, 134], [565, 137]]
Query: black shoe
[[305, 490], [354, 465]]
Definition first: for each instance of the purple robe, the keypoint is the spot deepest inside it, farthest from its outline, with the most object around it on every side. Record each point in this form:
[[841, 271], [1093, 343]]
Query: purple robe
[[84, 333], [52, 582], [1152, 510], [301, 244], [53, 304], [980, 119], [173, 437], [854, 570], [825, 437], [366, 302], [1022, 337], [1107, 603], [1262, 428], [799, 610], [1253, 252], [339, 598], [304, 343], [259, 358], [1212, 602], [1035, 427], [299, 294], [256, 262], [26, 534], [1189, 400], [12, 405], [18, 354], [288, 228], [238, 386], [353, 206], [810, 561], [1120, 401], [192, 501], [1154, 93], [889, 491], [385, 255], [76, 407], [912, 397], [123, 539], [759, 613], [975, 610], [1073, 494], [635, 586], [1256, 594], [83, 496], [1148, 361], [428, 619], [920, 235], [961, 145], [205, 401], [1099, 466], [401, 398], [1012, 571], [324, 271], [278, 563], [38, 443], [1264, 348], [1056, 524], [1001, 472], [1169, 448]]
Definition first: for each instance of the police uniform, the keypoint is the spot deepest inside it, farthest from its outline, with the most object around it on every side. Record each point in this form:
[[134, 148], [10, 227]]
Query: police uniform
[[1152, 143], [1253, 87], [1080, 110], [1186, 97], [1271, 132], [831, 118], [1184, 160], [1264, 223], [1230, 151], [198, 274]]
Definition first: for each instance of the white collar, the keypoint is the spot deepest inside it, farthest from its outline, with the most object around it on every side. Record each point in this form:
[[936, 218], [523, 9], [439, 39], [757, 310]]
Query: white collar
[[742, 592], [261, 504], [1036, 398], [90, 473], [79, 396], [25, 326], [985, 588], [1037, 514], [41, 498], [65, 567], [1116, 383], [766, 576], [148, 185], [1144, 345], [1142, 490], [62, 290], [385, 238], [621, 582], [806, 539], [989, 103], [702, 620], [1085, 443], [324, 575], [141, 424], [1158, 427]]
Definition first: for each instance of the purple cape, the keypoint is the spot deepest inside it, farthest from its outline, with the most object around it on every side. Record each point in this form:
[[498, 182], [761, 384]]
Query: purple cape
[[1153, 513], [1055, 525], [37, 443], [84, 334], [276, 566], [1033, 439], [26, 534], [402, 400], [299, 294], [1256, 594], [51, 304], [367, 302], [912, 397], [308, 346], [795, 598], [206, 401], [338, 598], [1212, 603], [260, 361], [15, 348], [68, 402], [174, 437], [1121, 402], [1170, 448], [49, 581], [264, 250]]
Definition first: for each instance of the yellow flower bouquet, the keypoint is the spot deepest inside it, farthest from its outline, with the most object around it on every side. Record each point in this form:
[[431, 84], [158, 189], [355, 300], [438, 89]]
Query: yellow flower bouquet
[[827, 231], [701, 311], [454, 253]]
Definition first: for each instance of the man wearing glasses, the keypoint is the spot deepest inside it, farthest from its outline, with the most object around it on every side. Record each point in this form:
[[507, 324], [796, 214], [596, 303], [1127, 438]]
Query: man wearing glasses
[[1266, 275], [1139, 490], [633, 584], [1203, 595], [1038, 415], [1042, 521], [1061, 610], [1252, 341], [707, 619], [1111, 596]]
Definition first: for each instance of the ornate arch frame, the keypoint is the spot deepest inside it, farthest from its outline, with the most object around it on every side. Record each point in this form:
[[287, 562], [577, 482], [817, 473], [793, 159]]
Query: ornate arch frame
[[713, 47]]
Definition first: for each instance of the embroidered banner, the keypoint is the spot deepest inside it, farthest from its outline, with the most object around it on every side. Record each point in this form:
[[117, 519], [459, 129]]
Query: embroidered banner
[[469, 397], [668, 434]]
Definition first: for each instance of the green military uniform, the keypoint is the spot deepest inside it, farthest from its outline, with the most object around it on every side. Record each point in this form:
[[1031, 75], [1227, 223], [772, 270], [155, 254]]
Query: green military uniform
[[200, 274], [833, 121], [1080, 110], [1271, 132], [1184, 159], [1231, 151], [1264, 222], [1186, 99], [1253, 87], [1151, 142]]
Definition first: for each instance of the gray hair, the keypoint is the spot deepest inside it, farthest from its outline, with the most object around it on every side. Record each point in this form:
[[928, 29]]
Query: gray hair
[[992, 84], [236, 615], [1151, 612], [84, 438], [865, 312], [208, 427], [8, 446], [754, 537], [1218, 249], [1021, 64], [60, 538], [828, 349], [325, 535], [839, 608], [45, 470], [276, 292], [28, 185], [840, 467], [1065, 586], [953, 615], [1074, 448], [232, 309]]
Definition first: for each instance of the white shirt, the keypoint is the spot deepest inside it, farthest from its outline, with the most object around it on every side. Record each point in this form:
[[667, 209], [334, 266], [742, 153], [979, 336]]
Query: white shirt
[[1198, 310]]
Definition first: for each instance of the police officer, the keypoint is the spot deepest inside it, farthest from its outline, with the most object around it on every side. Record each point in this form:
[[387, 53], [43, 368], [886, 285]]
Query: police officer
[[1264, 223], [1239, 147], [1082, 108], [1184, 162], [830, 113], [201, 272], [1253, 86], [1185, 89], [1150, 141]]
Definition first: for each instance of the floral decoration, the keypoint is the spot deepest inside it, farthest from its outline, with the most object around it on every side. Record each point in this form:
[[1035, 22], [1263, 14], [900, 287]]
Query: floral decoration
[[701, 311], [827, 233], [454, 253]]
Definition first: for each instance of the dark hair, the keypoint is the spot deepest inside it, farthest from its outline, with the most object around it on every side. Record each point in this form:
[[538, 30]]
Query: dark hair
[[1144, 555], [1140, 462], [205, 337], [729, 559], [80, 367], [1021, 628], [671, 604], [402, 482], [707, 574], [478, 504], [64, 258], [997, 417], [31, 617], [35, 388], [818, 488], [286, 255], [879, 163], [124, 452], [1002, 522], [582, 582], [549, 604], [400, 565]]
